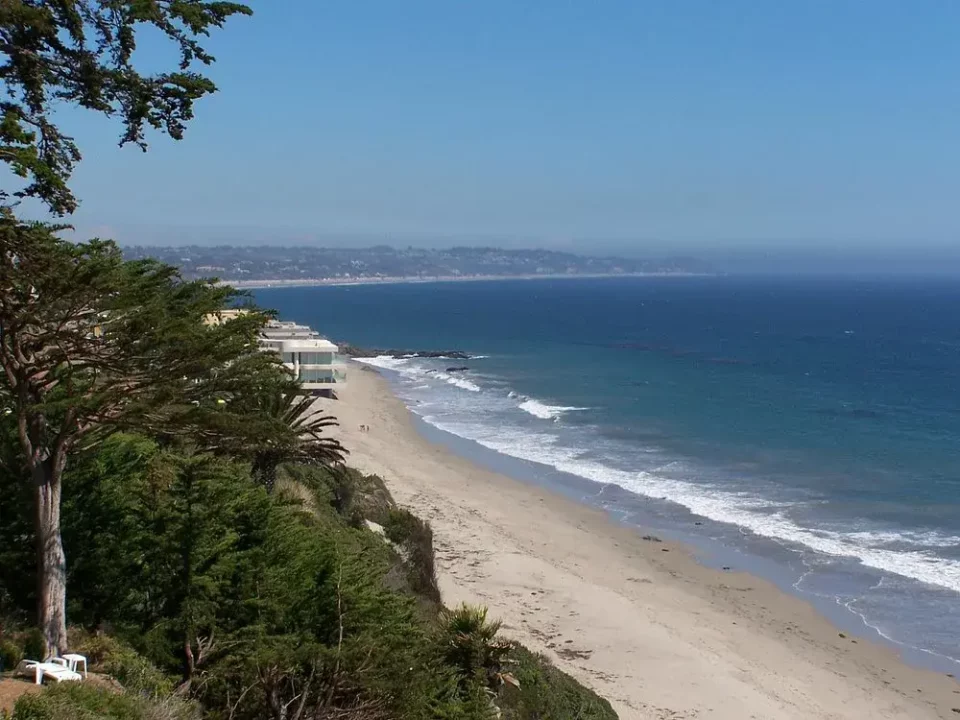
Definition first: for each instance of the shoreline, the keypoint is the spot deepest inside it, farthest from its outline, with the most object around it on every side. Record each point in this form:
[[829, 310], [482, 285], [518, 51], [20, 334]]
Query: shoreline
[[641, 622], [323, 282]]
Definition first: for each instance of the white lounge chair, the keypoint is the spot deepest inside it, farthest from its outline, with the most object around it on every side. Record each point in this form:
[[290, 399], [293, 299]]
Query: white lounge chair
[[74, 662], [56, 668]]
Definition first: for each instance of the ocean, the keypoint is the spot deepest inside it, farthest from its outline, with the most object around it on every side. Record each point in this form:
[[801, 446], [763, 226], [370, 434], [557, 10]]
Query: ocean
[[803, 429]]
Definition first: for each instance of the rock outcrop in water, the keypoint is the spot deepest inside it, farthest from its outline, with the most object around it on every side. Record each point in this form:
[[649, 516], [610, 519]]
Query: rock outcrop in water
[[358, 352]]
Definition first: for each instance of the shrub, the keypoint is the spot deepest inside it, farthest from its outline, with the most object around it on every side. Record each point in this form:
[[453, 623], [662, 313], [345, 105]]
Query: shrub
[[348, 492], [78, 701], [543, 691], [415, 539], [471, 644], [133, 671], [371, 497], [81, 701], [33, 645], [10, 655]]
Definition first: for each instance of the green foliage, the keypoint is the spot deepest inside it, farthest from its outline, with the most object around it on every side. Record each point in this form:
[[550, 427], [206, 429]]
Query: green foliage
[[351, 494], [77, 701], [106, 344], [103, 510], [306, 442], [320, 624], [82, 701], [370, 499], [80, 52], [33, 646], [471, 645], [10, 655], [279, 597], [18, 555], [546, 692], [190, 525], [91, 345], [415, 538], [115, 658]]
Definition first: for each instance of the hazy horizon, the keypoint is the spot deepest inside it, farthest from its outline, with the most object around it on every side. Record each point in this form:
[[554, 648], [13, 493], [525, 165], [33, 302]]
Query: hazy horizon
[[742, 258], [737, 129]]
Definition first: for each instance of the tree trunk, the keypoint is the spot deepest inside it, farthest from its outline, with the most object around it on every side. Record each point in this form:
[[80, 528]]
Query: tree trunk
[[189, 665], [51, 562]]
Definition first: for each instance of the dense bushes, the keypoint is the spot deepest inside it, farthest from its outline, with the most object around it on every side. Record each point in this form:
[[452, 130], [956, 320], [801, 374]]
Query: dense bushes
[[10, 655], [543, 691], [114, 658], [78, 701], [192, 581], [415, 539]]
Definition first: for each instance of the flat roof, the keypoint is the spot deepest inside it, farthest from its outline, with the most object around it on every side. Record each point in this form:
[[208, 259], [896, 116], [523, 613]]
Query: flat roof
[[305, 344]]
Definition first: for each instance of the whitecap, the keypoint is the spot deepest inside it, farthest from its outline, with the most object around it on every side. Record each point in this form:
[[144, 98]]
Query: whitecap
[[749, 512], [405, 368], [544, 411]]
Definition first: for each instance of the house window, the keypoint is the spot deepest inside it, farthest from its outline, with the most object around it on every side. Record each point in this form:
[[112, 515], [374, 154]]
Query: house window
[[316, 358], [314, 376]]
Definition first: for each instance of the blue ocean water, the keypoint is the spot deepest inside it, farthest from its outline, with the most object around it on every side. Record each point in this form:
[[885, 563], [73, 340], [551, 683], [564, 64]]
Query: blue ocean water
[[810, 424]]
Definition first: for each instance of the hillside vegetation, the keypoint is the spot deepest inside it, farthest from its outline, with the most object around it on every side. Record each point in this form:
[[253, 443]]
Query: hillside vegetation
[[205, 596], [174, 508]]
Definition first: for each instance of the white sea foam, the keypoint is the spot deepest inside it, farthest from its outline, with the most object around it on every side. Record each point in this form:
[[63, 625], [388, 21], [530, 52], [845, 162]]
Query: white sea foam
[[385, 361], [909, 554], [408, 369], [544, 411], [458, 382], [741, 509], [922, 539]]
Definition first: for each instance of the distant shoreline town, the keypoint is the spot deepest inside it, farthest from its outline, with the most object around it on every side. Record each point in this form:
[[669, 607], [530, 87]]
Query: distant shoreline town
[[318, 282], [268, 266]]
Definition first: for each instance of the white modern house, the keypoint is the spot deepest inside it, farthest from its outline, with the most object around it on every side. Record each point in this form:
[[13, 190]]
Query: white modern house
[[286, 329], [312, 359]]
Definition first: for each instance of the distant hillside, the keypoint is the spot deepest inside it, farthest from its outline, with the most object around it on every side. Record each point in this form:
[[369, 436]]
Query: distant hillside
[[253, 264]]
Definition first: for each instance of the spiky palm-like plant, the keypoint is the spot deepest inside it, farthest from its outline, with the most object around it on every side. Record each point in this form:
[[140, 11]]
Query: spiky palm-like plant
[[307, 440], [472, 645]]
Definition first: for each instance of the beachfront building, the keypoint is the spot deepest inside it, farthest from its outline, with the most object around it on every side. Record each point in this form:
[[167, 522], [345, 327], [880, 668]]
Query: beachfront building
[[280, 329], [313, 360], [222, 316]]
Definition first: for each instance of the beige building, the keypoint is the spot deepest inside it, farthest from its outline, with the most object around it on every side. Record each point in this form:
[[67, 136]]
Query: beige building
[[222, 316]]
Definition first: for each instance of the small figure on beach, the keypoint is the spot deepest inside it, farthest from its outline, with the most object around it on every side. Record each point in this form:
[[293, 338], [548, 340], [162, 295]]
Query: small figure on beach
[[364, 428]]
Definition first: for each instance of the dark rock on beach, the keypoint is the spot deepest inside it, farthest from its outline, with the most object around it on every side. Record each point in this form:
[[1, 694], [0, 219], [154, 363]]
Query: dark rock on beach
[[463, 368]]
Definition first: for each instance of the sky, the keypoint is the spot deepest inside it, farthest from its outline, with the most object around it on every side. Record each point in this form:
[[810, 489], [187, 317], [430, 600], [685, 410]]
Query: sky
[[689, 126]]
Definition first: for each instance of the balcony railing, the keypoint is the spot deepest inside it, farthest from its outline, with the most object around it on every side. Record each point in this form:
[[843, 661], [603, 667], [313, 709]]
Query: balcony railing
[[322, 376]]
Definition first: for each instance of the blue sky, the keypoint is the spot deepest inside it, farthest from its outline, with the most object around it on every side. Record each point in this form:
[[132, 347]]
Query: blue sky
[[678, 125]]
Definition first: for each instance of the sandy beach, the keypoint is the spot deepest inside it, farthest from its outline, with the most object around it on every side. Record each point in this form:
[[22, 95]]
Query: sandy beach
[[641, 622]]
